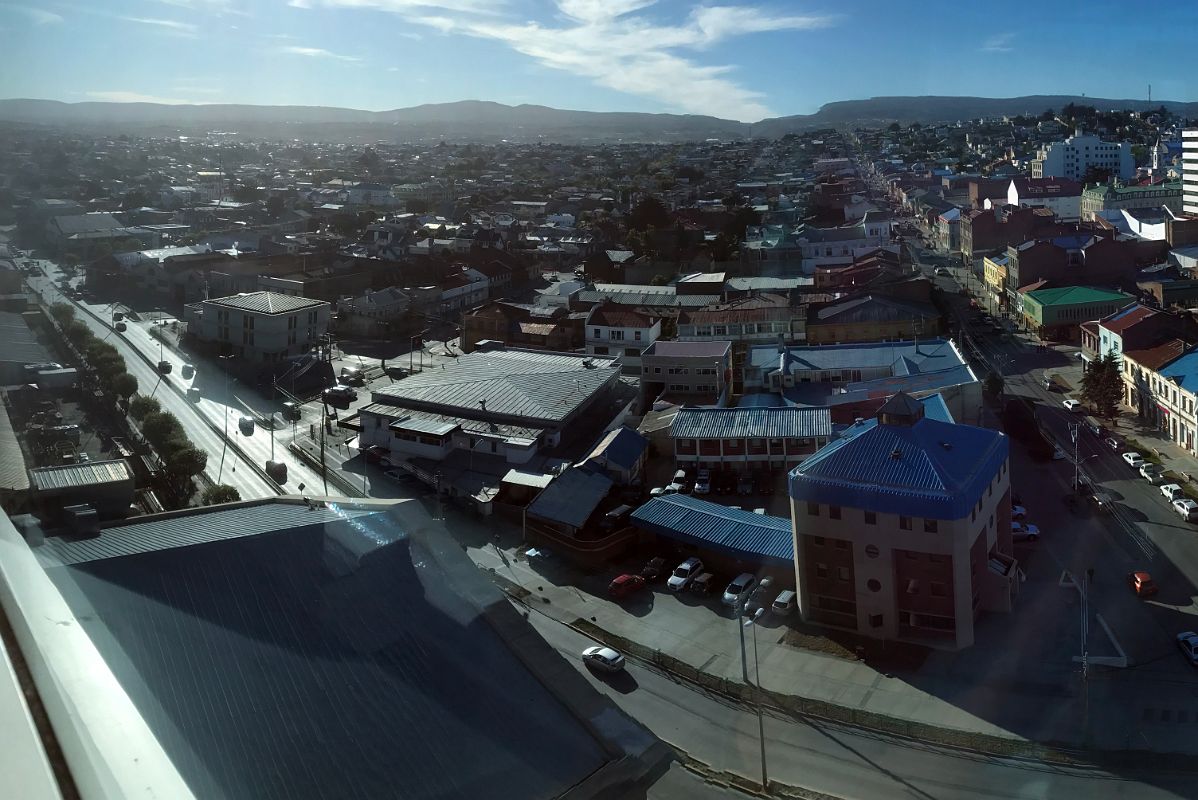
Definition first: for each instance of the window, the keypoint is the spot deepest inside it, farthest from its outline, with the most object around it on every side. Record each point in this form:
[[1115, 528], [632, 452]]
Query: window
[[842, 573], [821, 570], [598, 333], [871, 518], [833, 512], [813, 509], [929, 526], [875, 620], [873, 585], [636, 335], [818, 541], [904, 523], [617, 336]]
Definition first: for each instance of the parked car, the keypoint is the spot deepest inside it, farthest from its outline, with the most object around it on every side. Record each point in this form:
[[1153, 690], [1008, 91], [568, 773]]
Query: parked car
[[1188, 644], [1172, 491], [1112, 443], [164, 367], [1133, 459], [246, 424], [193, 394], [1153, 473], [340, 392], [603, 659], [653, 570], [353, 376], [784, 604], [291, 411], [187, 371], [684, 573], [120, 327], [703, 483], [624, 585], [1141, 583], [1072, 405], [1186, 508], [760, 597], [1024, 531], [1018, 512], [739, 589], [660, 491], [704, 583]]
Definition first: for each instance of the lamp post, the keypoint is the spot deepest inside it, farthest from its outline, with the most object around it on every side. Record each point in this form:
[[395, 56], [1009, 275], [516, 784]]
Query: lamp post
[[748, 623], [220, 471]]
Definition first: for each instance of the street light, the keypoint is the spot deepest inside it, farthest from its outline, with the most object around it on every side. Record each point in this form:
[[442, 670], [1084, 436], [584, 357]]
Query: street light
[[757, 673]]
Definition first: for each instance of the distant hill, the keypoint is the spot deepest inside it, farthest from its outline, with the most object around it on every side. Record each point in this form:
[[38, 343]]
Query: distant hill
[[475, 120]]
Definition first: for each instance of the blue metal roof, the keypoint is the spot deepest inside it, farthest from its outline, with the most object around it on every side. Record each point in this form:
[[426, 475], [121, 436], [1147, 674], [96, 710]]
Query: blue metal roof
[[934, 407], [740, 534], [621, 447], [923, 356], [751, 423], [940, 472], [572, 497], [1184, 369]]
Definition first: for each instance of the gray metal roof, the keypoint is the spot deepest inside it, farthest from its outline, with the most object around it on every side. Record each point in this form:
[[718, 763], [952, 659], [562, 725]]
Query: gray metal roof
[[727, 530], [648, 299], [572, 497], [474, 426], [902, 357], [13, 476], [423, 425], [513, 383], [265, 302], [183, 529], [714, 349], [71, 475], [752, 423]]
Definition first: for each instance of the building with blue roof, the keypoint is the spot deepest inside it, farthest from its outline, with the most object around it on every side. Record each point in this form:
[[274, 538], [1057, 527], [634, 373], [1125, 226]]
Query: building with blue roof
[[743, 540], [902, 527], [622, 453]]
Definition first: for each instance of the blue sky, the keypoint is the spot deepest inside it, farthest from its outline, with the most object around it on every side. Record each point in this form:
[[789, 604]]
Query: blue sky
[[740, 60]]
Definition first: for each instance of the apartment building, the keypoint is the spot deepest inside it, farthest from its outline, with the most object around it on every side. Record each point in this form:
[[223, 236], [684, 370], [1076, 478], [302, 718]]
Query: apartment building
[[612, 330], [259, 326], [1189, 170], [1161, 385], [902, 528], [745, 439], [1075, 156], [689, 372]]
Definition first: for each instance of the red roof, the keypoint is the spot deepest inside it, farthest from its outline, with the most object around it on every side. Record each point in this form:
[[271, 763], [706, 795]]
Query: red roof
[[615, 317], [1123, 319], [1155, 358]]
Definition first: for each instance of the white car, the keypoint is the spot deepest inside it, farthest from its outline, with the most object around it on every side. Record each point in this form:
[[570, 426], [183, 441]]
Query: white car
[[702, 485], [1071, 405], [1133, 459], [1186, 508], [1172, 491], [1018, 512], [739, 589], [246, 423], [603, 659], [1024, 531], [1153, 473], [683, 574]]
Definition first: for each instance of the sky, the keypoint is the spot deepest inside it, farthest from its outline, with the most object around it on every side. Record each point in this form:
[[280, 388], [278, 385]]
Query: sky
[[726, 58]]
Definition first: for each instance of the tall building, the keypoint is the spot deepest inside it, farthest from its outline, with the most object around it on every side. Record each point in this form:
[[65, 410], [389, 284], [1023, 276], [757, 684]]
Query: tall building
[[1189, 168], [1074, 156], [902, 528]]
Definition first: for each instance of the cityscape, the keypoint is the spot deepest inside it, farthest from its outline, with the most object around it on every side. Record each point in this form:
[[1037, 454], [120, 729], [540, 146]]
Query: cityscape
[[476, 450]]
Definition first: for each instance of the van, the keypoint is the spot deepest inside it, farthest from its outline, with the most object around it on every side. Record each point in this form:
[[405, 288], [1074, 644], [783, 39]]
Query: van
[[784, 603], [616, 518]]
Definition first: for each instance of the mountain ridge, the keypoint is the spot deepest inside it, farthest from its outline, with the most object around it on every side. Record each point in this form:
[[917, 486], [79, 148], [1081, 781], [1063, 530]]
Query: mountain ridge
[[485, 119]]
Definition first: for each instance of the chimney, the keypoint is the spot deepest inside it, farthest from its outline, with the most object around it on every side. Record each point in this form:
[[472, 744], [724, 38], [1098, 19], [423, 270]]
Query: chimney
[[483, 403]]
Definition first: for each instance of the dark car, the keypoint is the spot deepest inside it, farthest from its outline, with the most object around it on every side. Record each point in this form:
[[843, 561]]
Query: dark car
[[1141, 583], [654, 570]]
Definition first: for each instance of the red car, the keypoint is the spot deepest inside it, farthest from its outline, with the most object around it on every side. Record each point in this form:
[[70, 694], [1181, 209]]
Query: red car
[[1141, 583], [624, 585]]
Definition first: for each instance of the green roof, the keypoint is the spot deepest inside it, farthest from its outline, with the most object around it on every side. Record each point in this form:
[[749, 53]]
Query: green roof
[[1076, 296], [1106, 190]]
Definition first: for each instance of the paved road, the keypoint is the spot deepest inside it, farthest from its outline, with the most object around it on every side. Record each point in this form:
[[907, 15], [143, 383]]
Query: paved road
[[235, 471], [837, 760]]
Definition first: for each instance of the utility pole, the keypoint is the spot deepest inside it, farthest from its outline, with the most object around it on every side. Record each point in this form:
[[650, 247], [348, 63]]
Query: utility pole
[[1073, 430], [749, 623]]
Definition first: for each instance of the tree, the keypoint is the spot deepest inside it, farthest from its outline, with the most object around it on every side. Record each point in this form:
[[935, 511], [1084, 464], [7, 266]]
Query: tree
[[894, 127], [220, 493], [649, 213], [993, 385], [142, 406], [417, 206], [160, 427], [186, 462], [1102, 385], [274, 206], [123, 385], [62, 313]]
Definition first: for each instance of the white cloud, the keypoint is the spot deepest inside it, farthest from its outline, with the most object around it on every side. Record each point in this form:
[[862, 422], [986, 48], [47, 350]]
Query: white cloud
[[187, 89], [120, 96], [39, 16], [315, 52], [614, 45], [999, 43], [177, 28]]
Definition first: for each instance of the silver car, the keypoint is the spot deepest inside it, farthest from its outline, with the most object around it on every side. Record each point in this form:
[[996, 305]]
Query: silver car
[[603, 659]]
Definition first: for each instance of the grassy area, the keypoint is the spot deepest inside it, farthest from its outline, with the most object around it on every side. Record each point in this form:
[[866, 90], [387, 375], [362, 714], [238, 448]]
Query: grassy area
[[1147, 452]]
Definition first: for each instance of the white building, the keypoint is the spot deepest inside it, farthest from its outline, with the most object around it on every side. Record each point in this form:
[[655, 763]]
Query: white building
[[259, 326], [1189, 166], [621, 332], [1062, 196], [1077, 154], [372, 313]]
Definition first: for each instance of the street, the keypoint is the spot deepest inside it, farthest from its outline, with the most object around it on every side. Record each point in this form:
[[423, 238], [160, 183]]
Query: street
[[837, 760]]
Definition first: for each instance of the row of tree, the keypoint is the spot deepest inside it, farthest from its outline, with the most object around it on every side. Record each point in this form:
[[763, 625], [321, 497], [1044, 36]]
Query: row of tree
[[165, 434], [101, 360]]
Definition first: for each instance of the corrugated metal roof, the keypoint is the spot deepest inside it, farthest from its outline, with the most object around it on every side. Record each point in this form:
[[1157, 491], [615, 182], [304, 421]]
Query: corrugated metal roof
[[513, 383], [69, 475], [572, 497], [621, 447], [930, 354], [423, 425], [181, 530], [940, 471], [715, 349], [13, 475], [266, 302], [731, 531], [751, 423], [478, 427]]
